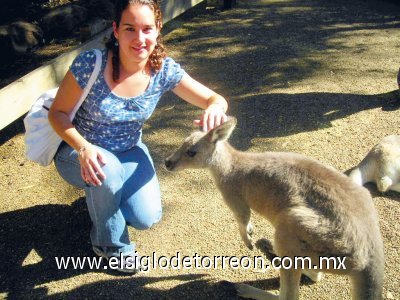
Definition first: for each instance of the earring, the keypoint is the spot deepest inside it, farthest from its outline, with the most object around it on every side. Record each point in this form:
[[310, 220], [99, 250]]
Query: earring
[[116, 43]]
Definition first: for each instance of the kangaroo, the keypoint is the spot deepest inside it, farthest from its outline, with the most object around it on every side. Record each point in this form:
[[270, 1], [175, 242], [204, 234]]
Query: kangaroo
[[381, 165], [316, 210]]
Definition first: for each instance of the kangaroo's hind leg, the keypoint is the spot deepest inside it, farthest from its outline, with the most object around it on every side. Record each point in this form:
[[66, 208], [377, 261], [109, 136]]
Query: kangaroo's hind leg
[[266, 246], [288, 245], [290, 284]]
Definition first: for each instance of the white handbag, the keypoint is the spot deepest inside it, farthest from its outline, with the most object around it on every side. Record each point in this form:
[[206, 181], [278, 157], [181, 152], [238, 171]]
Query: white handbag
[[41, 141]]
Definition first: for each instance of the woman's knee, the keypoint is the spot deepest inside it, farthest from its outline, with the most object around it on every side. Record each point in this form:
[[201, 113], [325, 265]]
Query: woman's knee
[[141, 200], [67, 165], [146, 220], [143, 210]]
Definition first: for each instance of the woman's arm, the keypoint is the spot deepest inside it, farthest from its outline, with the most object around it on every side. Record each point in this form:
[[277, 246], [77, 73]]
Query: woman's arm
[[214, 105], [66, 99]]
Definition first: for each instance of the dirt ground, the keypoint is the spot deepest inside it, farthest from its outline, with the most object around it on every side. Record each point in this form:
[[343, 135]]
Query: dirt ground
[[310, 76]]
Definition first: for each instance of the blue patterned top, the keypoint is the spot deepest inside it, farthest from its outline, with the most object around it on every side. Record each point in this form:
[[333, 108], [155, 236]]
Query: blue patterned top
[[114, 122]]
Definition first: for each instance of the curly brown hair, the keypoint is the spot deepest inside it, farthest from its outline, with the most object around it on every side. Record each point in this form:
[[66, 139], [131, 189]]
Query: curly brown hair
[[159, 53]]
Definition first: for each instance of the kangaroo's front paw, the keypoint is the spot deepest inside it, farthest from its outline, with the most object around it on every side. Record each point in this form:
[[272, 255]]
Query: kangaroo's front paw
[[245, 234], [250, 229], [248, 241], [249, 244], [267, 247]]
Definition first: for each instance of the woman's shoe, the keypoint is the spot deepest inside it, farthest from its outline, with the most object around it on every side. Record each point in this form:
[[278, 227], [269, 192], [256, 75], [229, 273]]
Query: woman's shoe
[[124, 262]]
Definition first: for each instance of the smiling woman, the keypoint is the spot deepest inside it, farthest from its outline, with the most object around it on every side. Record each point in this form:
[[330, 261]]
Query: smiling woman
[[102, 151]]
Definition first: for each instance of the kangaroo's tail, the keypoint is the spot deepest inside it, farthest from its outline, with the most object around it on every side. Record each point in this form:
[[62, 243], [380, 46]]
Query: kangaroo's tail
[[368, 283]]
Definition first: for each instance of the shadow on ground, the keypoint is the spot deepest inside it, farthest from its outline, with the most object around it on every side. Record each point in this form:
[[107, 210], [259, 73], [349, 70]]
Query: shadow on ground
[[62, 231], [272, 44], [275, 115], [49, 230]]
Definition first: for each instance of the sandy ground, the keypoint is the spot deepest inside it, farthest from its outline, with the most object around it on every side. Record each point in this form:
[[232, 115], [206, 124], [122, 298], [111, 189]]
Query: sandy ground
[[314, 77]]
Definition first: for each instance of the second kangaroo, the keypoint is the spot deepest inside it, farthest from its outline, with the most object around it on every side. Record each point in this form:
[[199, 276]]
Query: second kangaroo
[[381, 165], [316, 211]]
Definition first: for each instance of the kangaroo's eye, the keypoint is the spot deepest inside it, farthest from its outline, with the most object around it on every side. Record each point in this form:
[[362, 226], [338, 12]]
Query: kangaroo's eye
[[191, 153]]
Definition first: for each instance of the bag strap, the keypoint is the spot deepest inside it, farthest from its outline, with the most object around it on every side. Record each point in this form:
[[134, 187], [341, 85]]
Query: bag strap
[[90, 83]]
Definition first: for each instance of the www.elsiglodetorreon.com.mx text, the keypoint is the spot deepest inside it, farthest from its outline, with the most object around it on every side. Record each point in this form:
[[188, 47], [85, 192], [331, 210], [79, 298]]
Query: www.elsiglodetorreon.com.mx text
[[197, 261]]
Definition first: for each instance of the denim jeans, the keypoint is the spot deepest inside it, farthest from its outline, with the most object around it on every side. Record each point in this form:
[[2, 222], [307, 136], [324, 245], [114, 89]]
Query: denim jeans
[[130, 195]]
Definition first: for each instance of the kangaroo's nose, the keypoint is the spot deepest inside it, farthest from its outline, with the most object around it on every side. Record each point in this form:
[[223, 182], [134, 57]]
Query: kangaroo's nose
[[168, 164]]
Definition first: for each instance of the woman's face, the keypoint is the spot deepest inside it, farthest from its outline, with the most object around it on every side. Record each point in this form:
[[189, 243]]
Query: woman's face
[[137, 33]]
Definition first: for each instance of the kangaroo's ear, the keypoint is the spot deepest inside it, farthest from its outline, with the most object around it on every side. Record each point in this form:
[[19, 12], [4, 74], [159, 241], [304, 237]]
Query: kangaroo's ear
[[222, 132]]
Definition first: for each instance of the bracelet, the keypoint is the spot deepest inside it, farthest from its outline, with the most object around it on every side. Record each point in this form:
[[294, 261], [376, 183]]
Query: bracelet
[[82, 149]]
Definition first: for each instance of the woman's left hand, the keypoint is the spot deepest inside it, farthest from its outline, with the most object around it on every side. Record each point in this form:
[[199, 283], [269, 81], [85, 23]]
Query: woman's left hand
[[213, 116]]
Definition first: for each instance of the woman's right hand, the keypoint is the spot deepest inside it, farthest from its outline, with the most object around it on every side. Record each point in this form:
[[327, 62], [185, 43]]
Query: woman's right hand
[[91, 161]]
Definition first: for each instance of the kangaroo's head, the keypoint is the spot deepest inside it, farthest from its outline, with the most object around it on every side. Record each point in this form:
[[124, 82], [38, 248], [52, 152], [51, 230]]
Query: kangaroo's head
[[197, 150]]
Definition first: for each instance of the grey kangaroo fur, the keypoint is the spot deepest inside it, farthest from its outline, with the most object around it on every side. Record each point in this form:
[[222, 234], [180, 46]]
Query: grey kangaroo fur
[[316, 211], [381, 165]]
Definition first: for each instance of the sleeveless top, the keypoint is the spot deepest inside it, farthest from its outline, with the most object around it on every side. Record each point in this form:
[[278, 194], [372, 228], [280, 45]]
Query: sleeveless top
[[111, 121]]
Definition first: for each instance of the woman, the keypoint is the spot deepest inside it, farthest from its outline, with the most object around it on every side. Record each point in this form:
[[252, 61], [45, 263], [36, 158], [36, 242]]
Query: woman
[[102, 150]]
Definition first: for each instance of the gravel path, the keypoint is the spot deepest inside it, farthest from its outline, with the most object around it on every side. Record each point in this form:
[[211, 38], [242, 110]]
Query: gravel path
[[311, 76]]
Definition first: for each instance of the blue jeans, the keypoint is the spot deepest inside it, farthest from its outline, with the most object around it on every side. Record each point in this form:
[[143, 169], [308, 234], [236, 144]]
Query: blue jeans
[[130, 195]]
